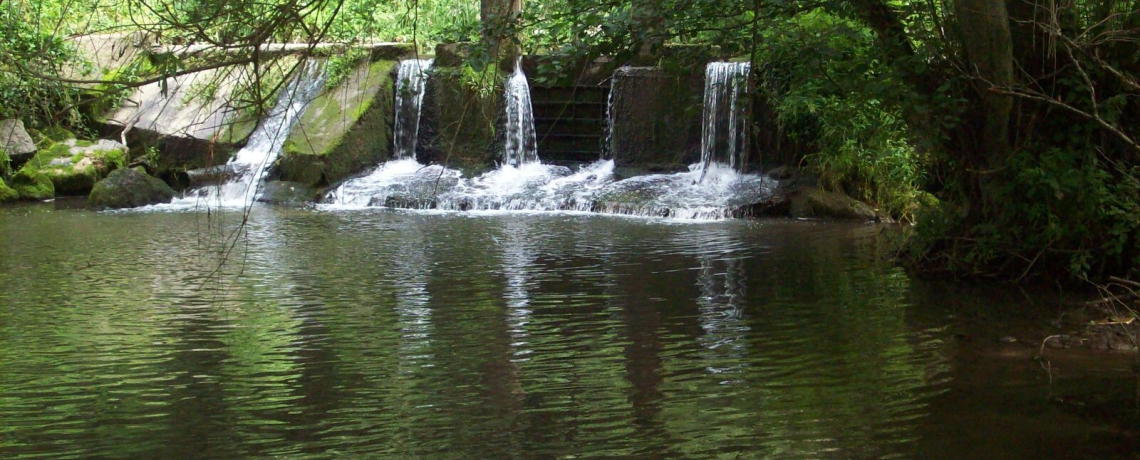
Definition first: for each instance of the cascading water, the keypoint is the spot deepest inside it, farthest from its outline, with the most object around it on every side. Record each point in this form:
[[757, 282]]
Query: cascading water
[[410, 87], [608, 143], [522, 143], [724, 137], [710, 190], [251, 163]]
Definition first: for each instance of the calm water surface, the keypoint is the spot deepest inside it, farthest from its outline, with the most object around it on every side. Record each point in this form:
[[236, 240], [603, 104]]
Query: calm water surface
[[392, 335]]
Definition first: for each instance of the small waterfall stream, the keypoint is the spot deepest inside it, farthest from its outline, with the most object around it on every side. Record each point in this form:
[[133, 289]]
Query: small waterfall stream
[[724, 134], [250, 164], [411, 83], [522, 143]]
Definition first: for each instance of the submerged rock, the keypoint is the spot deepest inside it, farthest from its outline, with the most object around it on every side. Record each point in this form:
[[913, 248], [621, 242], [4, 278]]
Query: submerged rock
[[129, 188], [32, 184], [280, 192], [15, 141]]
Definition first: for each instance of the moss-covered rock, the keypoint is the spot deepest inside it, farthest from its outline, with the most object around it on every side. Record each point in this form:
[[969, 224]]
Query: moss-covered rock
[[7, 194], [345, 130], [52, 134], [75, 166], [31, 184], [811, 202], [129, 188]]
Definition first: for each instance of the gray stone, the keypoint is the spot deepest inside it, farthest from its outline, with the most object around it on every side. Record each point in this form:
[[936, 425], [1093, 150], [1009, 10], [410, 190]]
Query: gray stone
[[294, 193], [15, 140], [215, 175], [128, 188]]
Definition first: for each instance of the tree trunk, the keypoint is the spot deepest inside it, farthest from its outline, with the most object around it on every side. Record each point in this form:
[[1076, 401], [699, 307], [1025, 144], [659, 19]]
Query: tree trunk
[[500, 19], [647, 15], [985, 34]]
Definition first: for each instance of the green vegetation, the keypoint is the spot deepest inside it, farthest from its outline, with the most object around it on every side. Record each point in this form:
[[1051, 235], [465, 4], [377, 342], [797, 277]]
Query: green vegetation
[[31, 184], [75, 167], [7, 195], [5, 164]]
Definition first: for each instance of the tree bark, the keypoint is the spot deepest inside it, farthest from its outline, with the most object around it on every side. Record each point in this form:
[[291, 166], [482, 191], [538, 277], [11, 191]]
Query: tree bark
[[500, 18], [646, 15], [985, 34]]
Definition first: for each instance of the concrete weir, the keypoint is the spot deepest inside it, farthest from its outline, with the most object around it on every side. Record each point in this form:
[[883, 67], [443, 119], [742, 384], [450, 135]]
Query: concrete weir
[[190, 119]]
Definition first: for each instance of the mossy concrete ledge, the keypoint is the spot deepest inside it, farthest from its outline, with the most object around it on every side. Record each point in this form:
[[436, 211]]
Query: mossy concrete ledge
[[462, 119], [345, 130], [657, 116]]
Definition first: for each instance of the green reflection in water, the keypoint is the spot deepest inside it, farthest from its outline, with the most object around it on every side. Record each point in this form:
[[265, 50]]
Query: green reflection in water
[[390, 335]]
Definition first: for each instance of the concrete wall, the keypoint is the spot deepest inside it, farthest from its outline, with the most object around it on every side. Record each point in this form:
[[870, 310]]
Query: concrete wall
[[657, 117]]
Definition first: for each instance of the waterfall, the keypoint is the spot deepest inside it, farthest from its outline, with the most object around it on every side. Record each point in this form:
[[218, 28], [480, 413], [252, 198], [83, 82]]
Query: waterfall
[[410, 85], [252, 162], [724, 136], [522, 143], [713, 189], [608, 144]]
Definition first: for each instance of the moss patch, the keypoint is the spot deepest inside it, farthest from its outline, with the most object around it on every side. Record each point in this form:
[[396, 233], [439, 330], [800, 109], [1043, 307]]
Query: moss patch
[[7, 194], [345, 130], [5, 164], [31, 184], [74, 170]]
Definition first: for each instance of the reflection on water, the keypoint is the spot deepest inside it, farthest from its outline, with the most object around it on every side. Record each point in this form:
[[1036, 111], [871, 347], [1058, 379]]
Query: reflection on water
[[387, 335]]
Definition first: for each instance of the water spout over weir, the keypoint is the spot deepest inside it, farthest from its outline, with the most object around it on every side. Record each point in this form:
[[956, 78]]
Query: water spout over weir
[[411, 84], [245, 174], [522, 143], [713, 189], [724, 129]]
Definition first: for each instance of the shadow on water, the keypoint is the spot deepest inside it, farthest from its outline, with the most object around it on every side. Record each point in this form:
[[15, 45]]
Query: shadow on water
[[389, 335]]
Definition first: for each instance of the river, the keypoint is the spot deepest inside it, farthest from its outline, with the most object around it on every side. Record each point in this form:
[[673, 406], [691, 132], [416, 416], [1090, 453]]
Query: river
[[314, 334]]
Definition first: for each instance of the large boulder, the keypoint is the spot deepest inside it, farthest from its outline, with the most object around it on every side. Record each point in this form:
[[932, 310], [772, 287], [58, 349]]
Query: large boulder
[[32, 184], [15, 141], [811, 202], [7, 194], [129, 188], [75, 166]]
